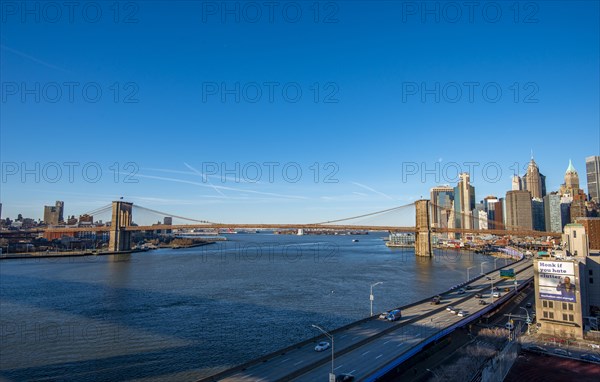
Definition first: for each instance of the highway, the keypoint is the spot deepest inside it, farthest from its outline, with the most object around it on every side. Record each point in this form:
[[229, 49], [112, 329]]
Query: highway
[[369, 346]]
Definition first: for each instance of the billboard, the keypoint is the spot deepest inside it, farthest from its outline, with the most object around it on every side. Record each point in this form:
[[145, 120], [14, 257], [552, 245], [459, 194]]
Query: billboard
[[556, 280]]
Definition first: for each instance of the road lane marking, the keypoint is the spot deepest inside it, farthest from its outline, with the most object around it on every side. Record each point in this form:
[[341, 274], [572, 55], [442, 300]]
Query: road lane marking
[[343, 336], [298, 363], [386, 342], [399, 345], [338, 367], [352, 372], [366, 352], [287, 359], [379, 356]]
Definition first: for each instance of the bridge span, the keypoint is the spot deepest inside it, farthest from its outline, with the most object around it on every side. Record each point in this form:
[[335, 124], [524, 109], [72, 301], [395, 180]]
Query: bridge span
[[122, 225], [370, 348]]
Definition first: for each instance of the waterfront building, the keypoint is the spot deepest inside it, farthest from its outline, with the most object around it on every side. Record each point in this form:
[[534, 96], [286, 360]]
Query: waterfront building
[[518, 210], [53, 215], [567, 300]]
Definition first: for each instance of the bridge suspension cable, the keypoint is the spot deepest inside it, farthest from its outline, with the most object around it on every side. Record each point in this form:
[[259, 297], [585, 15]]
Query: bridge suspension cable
[[366, 215], [99, 210], [171, 215]]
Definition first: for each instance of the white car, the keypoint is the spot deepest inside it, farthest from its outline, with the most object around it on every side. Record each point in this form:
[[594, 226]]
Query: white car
[[383, 315], [322, 346], [449, 308], [496, 294], [463, 313], [455, 311], [562, 352]]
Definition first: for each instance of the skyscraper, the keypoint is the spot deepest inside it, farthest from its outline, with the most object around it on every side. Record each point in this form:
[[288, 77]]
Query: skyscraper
[[533, 181], [493, 207], [518, 210], [592, 168], [571, 189], [537, 214], [464, 202], [441, 203], [552, 213]]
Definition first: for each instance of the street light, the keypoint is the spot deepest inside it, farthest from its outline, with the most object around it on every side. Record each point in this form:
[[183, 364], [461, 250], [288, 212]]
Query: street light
[[496, 259], [371, 296], [468, 278], [485, 262], [491, 290], [330, 336], [528, 319]]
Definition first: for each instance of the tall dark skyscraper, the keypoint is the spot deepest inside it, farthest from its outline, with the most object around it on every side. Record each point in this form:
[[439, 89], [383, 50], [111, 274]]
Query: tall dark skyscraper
[[592, 169]]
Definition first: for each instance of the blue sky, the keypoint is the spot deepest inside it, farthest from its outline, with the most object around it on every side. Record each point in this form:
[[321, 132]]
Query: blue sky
[[354, 87]]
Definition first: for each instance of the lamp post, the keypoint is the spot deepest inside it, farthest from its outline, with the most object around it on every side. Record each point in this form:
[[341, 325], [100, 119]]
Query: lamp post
[[491, 290], [485, 262], [371, 296], [528, 319], [468, 278], [496, 259], [331, 338]]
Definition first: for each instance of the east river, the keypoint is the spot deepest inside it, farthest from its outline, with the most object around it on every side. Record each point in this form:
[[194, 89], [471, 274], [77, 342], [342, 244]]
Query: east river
[[181, 314]]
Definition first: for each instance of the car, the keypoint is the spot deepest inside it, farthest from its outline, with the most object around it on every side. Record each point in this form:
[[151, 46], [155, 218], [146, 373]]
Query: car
[[383, 315], [344, 378], [496, 294], [468, 287], [509, 326], [394, 315], [322, 346], [528, 305], [507, 289], [455, 311], [562, 352], [461, 291], [463, 313], [590, 357], [436, 300], [594, 346], [478, 295], [482, 302], [536, 348], [449, 308]]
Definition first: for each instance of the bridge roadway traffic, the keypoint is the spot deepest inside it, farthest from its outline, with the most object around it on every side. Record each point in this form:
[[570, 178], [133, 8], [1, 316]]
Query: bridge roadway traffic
[[363, 348]]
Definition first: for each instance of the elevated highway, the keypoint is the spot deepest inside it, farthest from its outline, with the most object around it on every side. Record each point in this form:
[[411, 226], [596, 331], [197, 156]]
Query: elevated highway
[[372, 347]]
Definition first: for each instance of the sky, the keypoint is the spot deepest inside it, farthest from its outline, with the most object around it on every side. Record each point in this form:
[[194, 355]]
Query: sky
[[296, 111]]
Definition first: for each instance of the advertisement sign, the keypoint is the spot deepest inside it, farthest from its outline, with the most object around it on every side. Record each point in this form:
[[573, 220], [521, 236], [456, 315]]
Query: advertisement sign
[[556, 280]]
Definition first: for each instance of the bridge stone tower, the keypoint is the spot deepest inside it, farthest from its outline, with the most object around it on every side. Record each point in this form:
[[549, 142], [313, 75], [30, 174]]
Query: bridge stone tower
[[120, 239], [423, 229]]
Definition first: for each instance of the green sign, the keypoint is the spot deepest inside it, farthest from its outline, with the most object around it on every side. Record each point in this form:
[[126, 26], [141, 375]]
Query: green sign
[[507, 273]]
